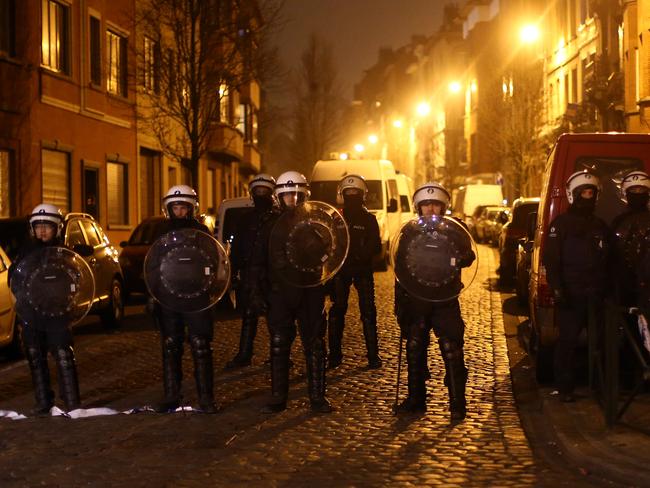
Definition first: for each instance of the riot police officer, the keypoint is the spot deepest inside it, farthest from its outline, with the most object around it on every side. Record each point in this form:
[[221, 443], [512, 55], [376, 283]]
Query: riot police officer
[[575, 257], [46, 223], [631, 231], [180, 206], [365, 243], [289, 304], [249, 276], [416, 318]]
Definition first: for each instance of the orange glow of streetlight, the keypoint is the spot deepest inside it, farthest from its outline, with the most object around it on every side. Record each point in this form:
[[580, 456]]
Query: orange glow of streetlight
[[398, 124], [455, 87], [423, 109], [372, 139], [359, 148], [529, 34]]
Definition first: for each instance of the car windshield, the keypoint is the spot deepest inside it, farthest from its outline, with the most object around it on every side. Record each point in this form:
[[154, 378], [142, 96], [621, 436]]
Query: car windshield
[[147, 232], [325, 191], [13, 235]]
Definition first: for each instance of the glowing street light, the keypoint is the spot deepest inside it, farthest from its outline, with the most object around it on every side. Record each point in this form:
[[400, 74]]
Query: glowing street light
[[343, 156], [529, 34], [359, 148], [398, 124], [423, 109], [372, 139], [455, 87]]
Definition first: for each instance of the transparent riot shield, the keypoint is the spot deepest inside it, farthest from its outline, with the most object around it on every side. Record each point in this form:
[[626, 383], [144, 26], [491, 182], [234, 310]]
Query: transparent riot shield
[[53, 284], [187, 270], [434, 258], [308, 244]]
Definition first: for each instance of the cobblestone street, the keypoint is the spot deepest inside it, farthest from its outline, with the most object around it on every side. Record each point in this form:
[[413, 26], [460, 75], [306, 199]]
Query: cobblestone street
[[361, 444]]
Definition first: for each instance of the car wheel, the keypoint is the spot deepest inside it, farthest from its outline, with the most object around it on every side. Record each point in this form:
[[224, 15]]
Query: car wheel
[[543, 356], [112, 316]]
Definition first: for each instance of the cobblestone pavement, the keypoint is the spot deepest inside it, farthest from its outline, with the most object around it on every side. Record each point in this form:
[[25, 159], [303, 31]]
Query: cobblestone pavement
[[361, 444]]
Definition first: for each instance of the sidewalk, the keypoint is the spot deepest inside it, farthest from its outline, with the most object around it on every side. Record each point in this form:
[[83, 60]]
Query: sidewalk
[[575, 433]]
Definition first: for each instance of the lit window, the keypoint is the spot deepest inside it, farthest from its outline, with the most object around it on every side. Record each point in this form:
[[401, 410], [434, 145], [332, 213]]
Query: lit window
[[117, 191], [116, 72], [8, 26], [224, 103], [55, 36], [151, 81], [56, 178]]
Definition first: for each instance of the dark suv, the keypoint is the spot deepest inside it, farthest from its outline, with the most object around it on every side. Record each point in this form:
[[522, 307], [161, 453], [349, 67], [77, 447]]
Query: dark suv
[[80, 229]]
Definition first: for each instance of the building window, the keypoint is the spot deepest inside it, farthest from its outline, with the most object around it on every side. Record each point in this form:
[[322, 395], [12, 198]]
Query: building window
[[55, 42], [211, 195], [56, 178], [95, 52], [574, 85], [253, 126], [172, 176], [224, 104], [5, 183], [117, 190], [151, 66], [8, 27], [116, 72], [242, 118]]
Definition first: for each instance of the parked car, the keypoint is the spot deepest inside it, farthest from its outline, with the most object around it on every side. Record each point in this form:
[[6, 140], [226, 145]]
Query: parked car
[[485, 222], [608, 155], [136, 248], [81, 229], [493, 231], [469, 197], [9, 336], [511, 232], [230, 211], [523, 258]]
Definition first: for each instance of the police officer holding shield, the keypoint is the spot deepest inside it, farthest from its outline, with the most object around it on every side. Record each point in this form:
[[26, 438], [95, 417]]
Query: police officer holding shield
[[289, 304], [43, 334], [365, 243], [180, 206], [575, 256], [416, 316], [248, 275]]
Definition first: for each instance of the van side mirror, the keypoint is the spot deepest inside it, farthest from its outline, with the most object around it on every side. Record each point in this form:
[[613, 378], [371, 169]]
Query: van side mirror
[[392, 205], [531, 225], [83, 250], [124, 243]]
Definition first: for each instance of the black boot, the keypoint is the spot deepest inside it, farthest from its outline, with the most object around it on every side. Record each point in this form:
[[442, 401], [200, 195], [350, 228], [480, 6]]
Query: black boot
[[416, 400], [455, 378], [246, 341], [316, 378], [68, 381], [172, 354], [280, 349], [372, 345], [203, 373], [43, 393], [335, 325]]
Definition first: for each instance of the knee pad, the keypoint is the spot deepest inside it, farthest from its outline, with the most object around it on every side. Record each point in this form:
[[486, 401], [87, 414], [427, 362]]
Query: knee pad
[[65, 357], [450, 349], [280, 344], [172, 345], [200, 346]]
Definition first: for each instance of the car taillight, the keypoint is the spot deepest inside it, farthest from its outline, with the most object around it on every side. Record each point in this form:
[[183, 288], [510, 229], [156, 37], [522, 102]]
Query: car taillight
[[544, 292]]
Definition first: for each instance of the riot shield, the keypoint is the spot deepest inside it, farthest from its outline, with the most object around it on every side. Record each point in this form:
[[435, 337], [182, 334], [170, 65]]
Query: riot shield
[[434, 258], [53, 284], [308, 244], [187, 270]]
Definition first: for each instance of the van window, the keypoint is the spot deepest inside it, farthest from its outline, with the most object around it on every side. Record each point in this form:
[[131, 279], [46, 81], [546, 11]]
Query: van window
[[391, 190], [404, 203], [231, 219], [611, 172]]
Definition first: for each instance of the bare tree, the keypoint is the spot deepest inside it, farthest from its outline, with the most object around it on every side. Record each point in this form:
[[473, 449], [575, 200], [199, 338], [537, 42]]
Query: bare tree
[[317, 107], [192, 54]]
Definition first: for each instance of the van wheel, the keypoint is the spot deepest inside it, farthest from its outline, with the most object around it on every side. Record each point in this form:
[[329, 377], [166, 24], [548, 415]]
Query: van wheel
[[112, 316]]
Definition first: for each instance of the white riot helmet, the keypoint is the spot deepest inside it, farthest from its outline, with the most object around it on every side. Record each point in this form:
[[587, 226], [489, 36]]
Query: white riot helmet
[[633, 179], [292, 182], [431, 191], [263, 180], [180, 194], [46, 213], [351, 181], [580, 180]]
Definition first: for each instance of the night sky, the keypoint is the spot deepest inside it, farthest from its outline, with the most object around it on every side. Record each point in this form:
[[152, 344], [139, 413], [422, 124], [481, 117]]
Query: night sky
[[356, 29]]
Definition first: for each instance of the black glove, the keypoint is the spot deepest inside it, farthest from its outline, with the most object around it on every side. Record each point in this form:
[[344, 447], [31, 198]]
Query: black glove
[[401, 312], [560, 298]]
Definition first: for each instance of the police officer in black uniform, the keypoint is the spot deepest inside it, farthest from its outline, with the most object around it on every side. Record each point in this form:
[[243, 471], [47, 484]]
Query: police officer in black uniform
[[180, 206], [631, 231], [46, 223], [289, 304], [365, 243], [416, 318], [249, 277], [575, 257]]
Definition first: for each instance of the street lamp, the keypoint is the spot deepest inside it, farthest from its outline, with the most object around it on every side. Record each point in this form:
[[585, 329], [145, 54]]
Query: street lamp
[[398, 124], [455, 87], [423, 109], [529, 34], [359, 148], [372, 139]]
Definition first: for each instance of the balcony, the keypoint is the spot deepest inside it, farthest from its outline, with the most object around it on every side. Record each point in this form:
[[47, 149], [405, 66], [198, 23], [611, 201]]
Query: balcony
[[226, 140]]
